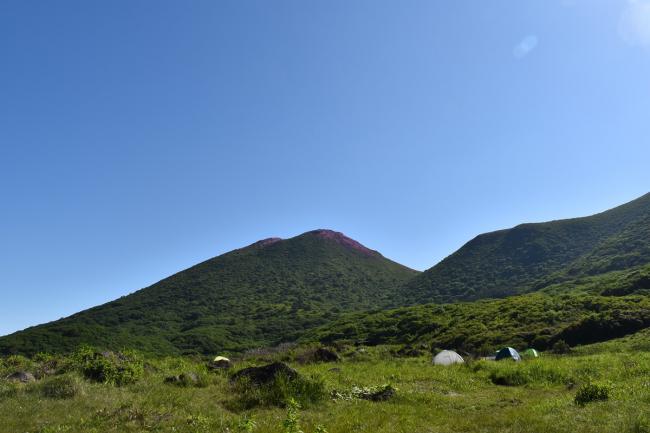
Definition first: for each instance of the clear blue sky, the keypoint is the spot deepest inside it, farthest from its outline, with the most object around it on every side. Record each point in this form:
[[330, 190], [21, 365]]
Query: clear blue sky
[[140, 137]]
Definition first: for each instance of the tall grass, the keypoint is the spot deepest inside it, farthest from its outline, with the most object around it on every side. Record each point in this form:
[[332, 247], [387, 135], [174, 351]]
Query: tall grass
[[305, 391], [536, 396]]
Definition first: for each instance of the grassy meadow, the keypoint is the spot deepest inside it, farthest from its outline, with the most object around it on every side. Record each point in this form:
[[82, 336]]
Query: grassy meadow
[[612, 381]]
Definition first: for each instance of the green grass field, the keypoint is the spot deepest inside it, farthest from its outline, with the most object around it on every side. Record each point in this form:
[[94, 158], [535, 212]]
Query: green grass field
[[533, 396]]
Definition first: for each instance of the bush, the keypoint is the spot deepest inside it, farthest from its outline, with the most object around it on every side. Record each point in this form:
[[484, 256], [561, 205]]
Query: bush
[[591, 392], [42, 357], [46, 365], [291, 423], [540, 342], [278, 392], [15, 363], [561, 347], [108, 367], [65, 386], [372, 393]]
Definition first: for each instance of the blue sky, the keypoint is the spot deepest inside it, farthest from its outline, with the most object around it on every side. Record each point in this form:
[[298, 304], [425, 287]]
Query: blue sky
[[140, 137]]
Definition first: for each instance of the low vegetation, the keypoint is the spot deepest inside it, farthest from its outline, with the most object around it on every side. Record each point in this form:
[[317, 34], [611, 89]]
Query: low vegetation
[[304, 391], [539, 320], [596, 388], [62, 386], [590, 392]]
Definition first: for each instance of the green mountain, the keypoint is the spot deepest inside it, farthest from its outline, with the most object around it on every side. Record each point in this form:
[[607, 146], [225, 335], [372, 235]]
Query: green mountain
[[587, 310], [592, 269], [264, 294], [531, 256]]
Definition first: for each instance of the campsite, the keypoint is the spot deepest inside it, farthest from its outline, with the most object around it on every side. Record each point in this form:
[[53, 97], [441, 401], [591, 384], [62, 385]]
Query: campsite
[[595, 388], [335, 216]]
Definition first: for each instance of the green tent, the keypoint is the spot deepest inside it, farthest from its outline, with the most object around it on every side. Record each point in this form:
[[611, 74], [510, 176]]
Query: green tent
[[530, 353]]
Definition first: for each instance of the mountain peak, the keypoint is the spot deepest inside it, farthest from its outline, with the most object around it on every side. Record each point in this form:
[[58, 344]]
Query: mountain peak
[[266, 242], [260, 295], [343, 240], [326, 234]]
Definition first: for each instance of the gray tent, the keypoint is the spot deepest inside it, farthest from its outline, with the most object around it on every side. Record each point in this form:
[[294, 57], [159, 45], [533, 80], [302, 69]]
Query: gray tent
[[447, 357]]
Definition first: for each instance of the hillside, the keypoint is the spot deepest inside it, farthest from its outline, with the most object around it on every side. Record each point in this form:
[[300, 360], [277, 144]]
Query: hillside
[[531, 256], [263, 294], [585, 311]]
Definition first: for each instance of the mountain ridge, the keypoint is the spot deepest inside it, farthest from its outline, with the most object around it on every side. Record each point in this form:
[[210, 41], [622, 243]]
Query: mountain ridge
[[261, 294], [530, 256], [275, 290]]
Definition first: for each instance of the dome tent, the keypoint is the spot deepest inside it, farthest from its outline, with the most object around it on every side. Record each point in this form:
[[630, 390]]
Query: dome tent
[[220, 362], [507, 353], [530, 353], [447, 357]]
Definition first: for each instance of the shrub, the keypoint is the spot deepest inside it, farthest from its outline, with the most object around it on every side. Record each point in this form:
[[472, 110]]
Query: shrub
[[486, 349], [278, 392], [372, 393], [291, 423], [591, 392], [16, 363], [117, 369], [561, 347], [65, 386], [540, 342], [46, 365], [316, 354], [42, 357]]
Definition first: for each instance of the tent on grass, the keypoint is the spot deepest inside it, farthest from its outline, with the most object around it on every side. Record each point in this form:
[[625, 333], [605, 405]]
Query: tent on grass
[[508, 353], [530, 353], [220, 362], [447, 357]]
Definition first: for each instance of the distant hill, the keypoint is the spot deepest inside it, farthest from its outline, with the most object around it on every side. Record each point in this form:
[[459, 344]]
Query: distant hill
[[266, 293], [531, 256], [277, 290], [583, 311]]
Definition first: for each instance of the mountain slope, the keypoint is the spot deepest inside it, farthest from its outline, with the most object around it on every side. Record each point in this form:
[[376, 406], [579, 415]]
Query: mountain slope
[[585, 311], [263, 294], [531, 256]]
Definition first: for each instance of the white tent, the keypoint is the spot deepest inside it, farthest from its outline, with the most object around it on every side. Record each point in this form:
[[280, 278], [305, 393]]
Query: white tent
[[447, 357], [221, 358]]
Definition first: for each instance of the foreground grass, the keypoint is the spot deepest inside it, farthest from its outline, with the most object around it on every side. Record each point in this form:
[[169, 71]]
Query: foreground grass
[[463, 398]]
